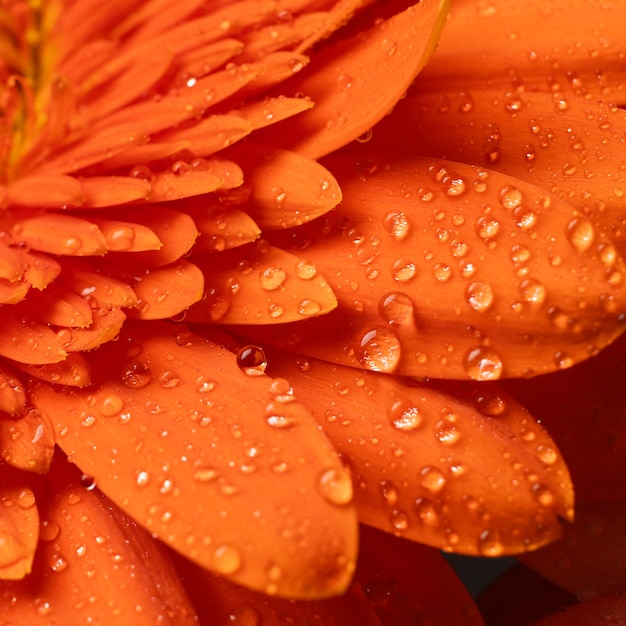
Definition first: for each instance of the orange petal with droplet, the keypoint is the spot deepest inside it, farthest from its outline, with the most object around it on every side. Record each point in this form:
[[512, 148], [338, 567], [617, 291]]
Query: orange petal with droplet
[[588, 560], [105, 327], [84, 539], [58, 234], [166, 291], [407, 583], [167, 186], [272, 497], [13, 292], [73, 371], [12, 263], [101, 289], [153, 151], [28, 342], [28, 442], [260, 285], [19, 525], [223, 230], [358, 81], [40, 270], [583, 410], [46, 191], [461, 468], [123, 236], [107, 191], [459, 272], [288, 189], [12, 396], [273, 110], [512, 45], [567, 145]]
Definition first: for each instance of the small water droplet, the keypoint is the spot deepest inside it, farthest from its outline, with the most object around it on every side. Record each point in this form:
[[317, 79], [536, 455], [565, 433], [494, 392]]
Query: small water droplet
[[479, 296], [305, 269], [432, 479], [482, 363], [272, 278], [143, 478], [403, 271], [510, 197], [397, 308], [389, 492], [136, 375], [227, 559], [532, 291], [335, 485], [88, 482], [447, 432], [252, 360], [490, 404], [547, 454], [580, 233], [426, 512], [111, 405], [57, 563], [397, 225], [378, 350], [404, 415], [309, 307]]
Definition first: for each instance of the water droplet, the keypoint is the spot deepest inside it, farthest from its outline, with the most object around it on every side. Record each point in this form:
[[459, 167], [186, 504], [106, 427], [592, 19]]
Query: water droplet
[[487, 227], [389, 492], [397, 225], [442, 272], [88, 482], [399, 520], [519, 253], [404, 415], [111, 405], [143, 478], [378, 350], [272, 278], [447, 432], [309, 307], [543, 494], [227, 559], [482, 363], [335, 485], [57, 563], [403, 271], [490, 404], [512, 101], [397, 308], [136, 375], [510, 197], [547, 454], [48, 530], [305, 269], [489, 543], [243, 615], [532, 291], [252, 360], [479, 296], [432, 479], [205, 474], [580, 233], [426, 512]]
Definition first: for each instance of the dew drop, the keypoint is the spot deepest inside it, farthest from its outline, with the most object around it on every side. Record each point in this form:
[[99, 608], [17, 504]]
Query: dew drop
[[397, 225], [335, 486], [479, 296], [547, 454], [447, 432], [227, 559], [111, 405], [403, 271], [426, 512], [482, 363], [543, 495], [136, 375], [442, 272], [487, 228], [397, 308], [272, 278], [510, 197], [57, 563], [143, 478], [88, 482], [404, 415], [490, 404], [251, 360], [309, 307], [432, 479], [305, 269], [580, 233], [389, 492], [532, 291], [489, 543], [378, 350]]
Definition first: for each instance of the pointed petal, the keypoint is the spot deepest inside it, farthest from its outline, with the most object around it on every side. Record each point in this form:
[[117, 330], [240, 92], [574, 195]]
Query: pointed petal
[[512, 44], [273, 110], [267, 506], [166, 291], [73, 371], [12, 395], [461, 468], [260, 285], [565, 144], [13, 292], [101, 289], [356, 82], [41, 270], [583, 409], [106, 191], [12, 264], [218, 600], [28, 342], [412, 584], [588, 560], [19, 524], [105, 326], [287, 188], [122, 236], [46, 191], [93, 565], [223, 231], [452, 271], [27, 442]]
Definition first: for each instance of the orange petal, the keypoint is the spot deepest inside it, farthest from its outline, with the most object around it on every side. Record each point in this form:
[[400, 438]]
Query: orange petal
[[512, 44], [287, 188], [122, 236], [12, 396], [13, 292], [105, 327], [451, 271], [465, 469], [93, 566], [567, 145], [166, 291], [106, 191], [407, 583], [153, 151], [19, 525], [40, 270], [593, 613], [273, 110], [223, 231], [58, 234], [100, 289], [148, 428], [28, 342], [12, 264], [175, 230], [260, 285], [28, 442], [46, 191], [73, 371], [356, 82], [218, 601], [167, 186], [589, 560], [583, 409]]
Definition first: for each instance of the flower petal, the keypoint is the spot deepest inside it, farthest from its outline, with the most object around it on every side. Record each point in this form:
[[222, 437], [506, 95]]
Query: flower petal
[[511, 43], [287, 188], [567, 145], [269, 499], [73, 371], [123, 236], [356, 82], [94, 565], [271, 110], [105, 326], [588, 560], [12, 395], [27, 443], [166, 291], [99, 288], [260, 285], [583, 409], [464, 469], [19, 524], [451, 271], [107, 191], [46, 191], [28, 342], [41, 270], [222, 230], [407, 583]]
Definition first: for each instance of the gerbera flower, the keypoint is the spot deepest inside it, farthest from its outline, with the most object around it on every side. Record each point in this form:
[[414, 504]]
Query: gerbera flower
[[160, 162]]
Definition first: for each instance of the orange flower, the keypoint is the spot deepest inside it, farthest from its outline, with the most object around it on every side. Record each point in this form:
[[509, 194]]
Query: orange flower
[[171, 205]]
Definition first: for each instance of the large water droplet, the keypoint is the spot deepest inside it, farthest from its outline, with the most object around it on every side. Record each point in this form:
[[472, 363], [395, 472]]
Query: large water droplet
[[432, 479], [580, 233], [335, 485], [136, 375], [272, 278], [397, 308], [482, 363], [227, 559], [379, 350], [397, 225], [404, 415], [479, 296], [252, 360]]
